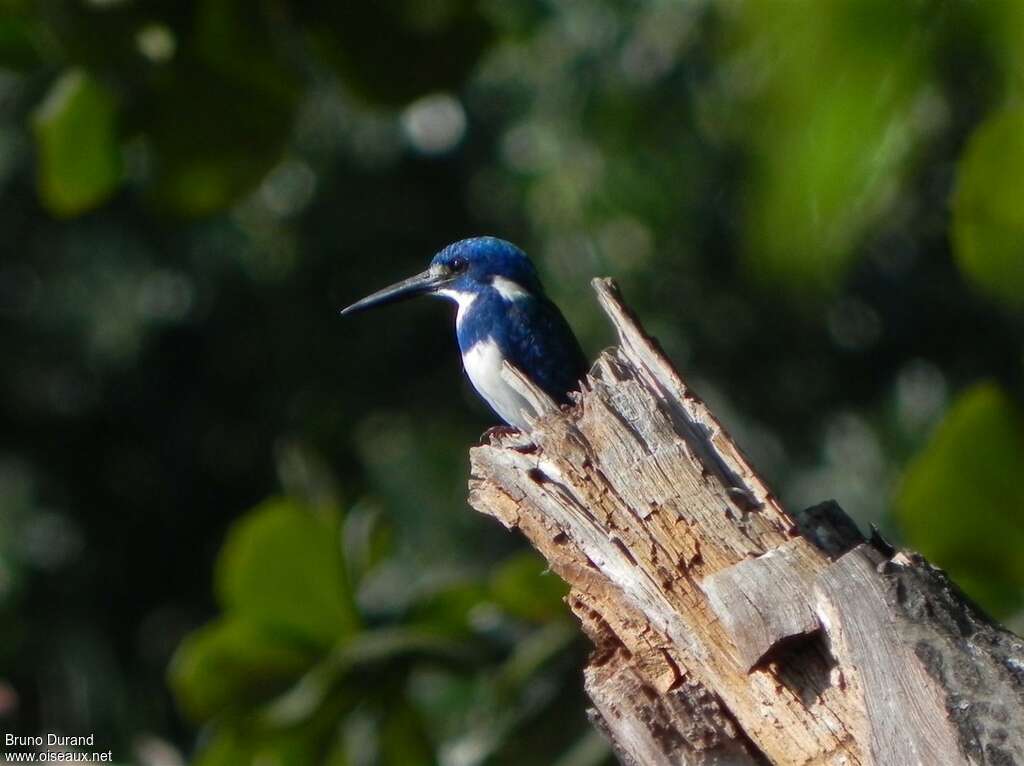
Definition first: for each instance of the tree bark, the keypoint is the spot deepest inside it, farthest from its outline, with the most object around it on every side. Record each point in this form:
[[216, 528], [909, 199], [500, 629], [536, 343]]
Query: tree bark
[[726, 630]]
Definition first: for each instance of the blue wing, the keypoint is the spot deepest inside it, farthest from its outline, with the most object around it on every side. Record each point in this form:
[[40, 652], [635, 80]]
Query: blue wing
[[533, 335]]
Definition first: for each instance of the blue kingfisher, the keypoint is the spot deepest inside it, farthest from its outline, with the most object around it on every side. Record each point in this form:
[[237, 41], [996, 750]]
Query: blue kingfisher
[[503, 315]]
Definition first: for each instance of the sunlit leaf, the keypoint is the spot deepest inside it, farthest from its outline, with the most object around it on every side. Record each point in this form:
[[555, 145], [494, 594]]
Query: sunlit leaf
[[962, 503], [827, 154], [230, 664], [988, 217], [76, 139], [282, 568]]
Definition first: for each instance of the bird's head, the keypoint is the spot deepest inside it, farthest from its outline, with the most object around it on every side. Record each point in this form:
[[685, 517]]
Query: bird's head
[[462, 270]]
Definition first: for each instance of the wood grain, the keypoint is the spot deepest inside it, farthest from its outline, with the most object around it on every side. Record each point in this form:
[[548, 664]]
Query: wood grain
[[725, 630]]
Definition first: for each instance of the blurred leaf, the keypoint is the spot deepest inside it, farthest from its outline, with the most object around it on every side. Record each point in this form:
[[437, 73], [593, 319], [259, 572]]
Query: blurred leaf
[[988, 217], [306, 476], [19, 40], [386, 644], [403, 737], [367, 651], [282, 569], [237, 39], [962, 503], [369, 538], [524, 588], [1000, 24], [590, 750], [240, 745], [226, 746], [534, 651], [827, 154], [213, 143], [445, 698], [102, 37], [449, 609], [76, 139], [230, 664], [418, 485], [430, 46]]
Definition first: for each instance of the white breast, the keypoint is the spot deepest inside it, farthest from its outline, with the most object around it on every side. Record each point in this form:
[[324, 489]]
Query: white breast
[[483, 364]]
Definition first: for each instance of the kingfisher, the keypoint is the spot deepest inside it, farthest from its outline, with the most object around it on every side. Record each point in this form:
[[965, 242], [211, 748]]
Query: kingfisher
[[503, 316]]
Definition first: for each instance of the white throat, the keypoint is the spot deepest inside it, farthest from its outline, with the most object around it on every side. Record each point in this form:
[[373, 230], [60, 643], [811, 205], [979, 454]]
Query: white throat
[[465, 300]]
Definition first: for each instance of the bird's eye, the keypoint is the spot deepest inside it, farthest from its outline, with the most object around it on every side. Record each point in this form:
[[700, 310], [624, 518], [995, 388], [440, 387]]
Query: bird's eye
[[457, 264]]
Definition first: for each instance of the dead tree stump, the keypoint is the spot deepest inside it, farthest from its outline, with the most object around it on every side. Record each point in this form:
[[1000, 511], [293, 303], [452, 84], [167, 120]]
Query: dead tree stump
[[726, 630]]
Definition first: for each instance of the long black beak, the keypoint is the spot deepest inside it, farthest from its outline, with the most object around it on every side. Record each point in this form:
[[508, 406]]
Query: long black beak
[[427, 282]]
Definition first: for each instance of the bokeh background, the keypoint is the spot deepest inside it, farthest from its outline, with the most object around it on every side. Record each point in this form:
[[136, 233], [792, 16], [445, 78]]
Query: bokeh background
[[233, 526]]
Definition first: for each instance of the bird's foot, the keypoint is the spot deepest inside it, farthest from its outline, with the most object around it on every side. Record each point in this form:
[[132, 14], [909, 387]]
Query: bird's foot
[[496, 431]]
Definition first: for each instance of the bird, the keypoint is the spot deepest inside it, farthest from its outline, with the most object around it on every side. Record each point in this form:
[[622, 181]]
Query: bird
[[503, 315]]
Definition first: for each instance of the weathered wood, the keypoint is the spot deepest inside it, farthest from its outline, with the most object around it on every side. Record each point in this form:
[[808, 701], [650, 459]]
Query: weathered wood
[[765, 601], [904, 710], [726, 631], [677, 722]]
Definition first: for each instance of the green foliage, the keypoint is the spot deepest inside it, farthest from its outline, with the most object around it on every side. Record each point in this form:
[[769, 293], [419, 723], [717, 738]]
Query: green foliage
[[232, 663], [282, 582], [988, 217], [961, 502], [76, 139], [211, 88], [291, 671], [404, 738], [830, 124], [282, 570]]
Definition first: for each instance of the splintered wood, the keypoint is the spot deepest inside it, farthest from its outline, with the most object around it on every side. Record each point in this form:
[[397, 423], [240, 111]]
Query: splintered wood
[[727, 631]]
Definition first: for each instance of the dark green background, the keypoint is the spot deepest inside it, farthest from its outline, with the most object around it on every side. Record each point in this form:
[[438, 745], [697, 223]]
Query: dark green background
[[232, 525]]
